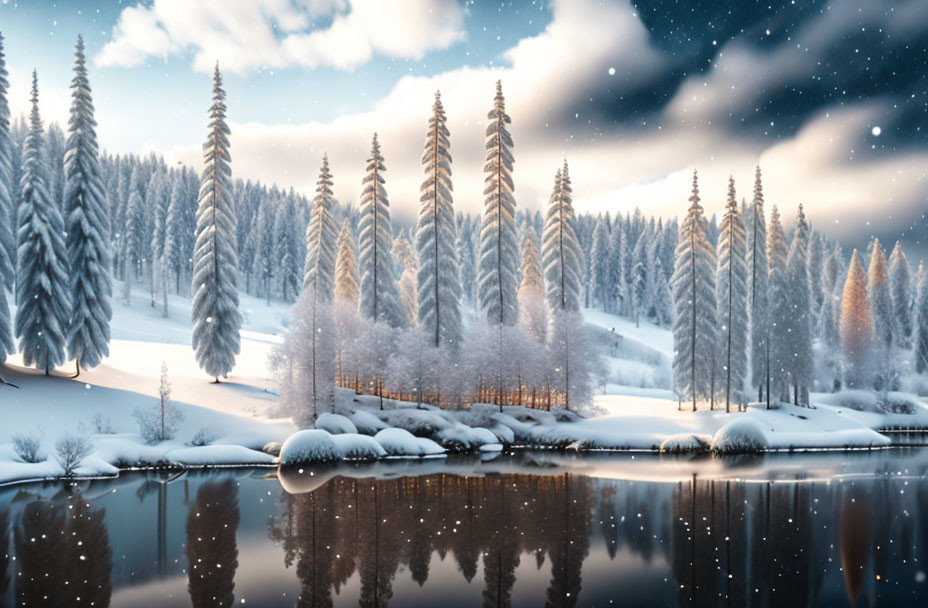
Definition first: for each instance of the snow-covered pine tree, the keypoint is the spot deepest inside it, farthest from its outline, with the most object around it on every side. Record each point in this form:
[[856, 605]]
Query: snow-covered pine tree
[[693, 286], [881, 302], [467, 262], [856, 327], [827, 329], [532, 313], [576, 362], [560, 251], [380, 298], [758, 297], [91, 286], [134, 239], [287, 259], [216, 318], [599, 261], [319, 269], [346, 269], [617, 295], [497, 269], [643, 284], [900, 279], [816, 266], [920, 330], [439, 280], [7, 211], [54, 153], [173, 258], [409, 296], [800, 363], [779, 310], [42, 298], [157, 199], [264, 263], [731, 299]]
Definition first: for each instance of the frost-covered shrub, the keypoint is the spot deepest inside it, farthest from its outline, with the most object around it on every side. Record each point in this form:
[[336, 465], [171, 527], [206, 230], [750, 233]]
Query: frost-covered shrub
[[367, 423], [313, 445], [160, 421], [400, 442], [70, 451], [479, 414], [204, 436], [336, 424], [101, 424], [899, 403], [26, 446], [358, 447], [739, 436]]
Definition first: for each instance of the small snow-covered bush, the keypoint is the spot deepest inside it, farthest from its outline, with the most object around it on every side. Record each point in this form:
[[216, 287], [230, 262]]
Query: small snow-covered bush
[[479, 414], [684, 442], [26, 446], [400, 442], [336, 424], [313, 445], [71, 450], [367, 423], [739, 436], [101, 424], [204, 436], [899, 403], [353, 446]]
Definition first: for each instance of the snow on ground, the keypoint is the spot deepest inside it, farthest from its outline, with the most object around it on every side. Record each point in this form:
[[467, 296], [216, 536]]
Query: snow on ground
[[638, 411]]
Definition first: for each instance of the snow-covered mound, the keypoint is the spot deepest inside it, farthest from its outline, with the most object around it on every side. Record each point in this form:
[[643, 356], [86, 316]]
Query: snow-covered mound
[[460, 437], [367, 423], [335, 424], [352, 446], [400, 442], [213, 455], [314, 445], [742, 435]]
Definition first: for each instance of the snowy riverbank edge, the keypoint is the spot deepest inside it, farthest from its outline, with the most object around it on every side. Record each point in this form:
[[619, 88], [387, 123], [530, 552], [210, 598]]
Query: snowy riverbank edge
[[364, 432]]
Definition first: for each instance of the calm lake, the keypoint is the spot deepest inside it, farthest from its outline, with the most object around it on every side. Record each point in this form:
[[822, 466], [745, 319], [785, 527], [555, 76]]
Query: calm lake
[[530, 529]]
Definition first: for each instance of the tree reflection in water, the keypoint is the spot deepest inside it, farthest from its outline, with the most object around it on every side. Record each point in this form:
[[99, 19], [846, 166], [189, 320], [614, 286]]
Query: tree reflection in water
[[212, 553], [63, 555], [373, 526]]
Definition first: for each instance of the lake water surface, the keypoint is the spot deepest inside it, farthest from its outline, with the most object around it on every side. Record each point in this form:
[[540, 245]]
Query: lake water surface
[[530, 529]]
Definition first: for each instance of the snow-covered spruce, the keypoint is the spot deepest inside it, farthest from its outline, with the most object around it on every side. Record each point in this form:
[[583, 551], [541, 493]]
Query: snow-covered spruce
[[497, 269], [900, 280], [286, 261], [88, 253], [758, 306], [380, 299], [346, 269], [693, 285], [780, 309], [532, 313], [560, 251], [319, 269], [41, 282], [216, 318], [920, 329], [799, 364], [438, 278], [731, 299], [7, 211], [856, 327]]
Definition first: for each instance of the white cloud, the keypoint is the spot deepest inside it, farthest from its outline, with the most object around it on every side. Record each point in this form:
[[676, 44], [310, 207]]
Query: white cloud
[[246, 35], [615, 171]]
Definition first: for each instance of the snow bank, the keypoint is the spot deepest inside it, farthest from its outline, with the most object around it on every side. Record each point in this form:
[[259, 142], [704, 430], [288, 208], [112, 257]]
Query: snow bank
[[419, 422], [685, 442], [400, 442], [335, 424], [314, 445], [221, 455], [740, 436], [352, 446]]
